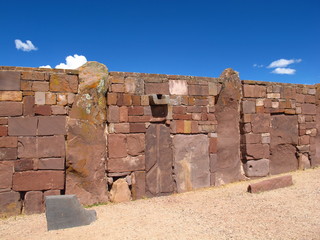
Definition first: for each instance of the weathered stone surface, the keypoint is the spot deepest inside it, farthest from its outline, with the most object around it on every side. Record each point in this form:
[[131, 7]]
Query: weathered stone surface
[[270, 184], [126, 164], [10, 109], [257, 151], [138, 184], [191, 162], [40, 98], [28, 105], [260, 123], [134, 85], [251, 138], [227, 114], [23, 165], [304, 162], [257, 168], [308, 109], [284, 139], [27, 147], [51, 163], [254, 91], [38, 180], [159, 161], [26, 126], [10, 204], [11, 96], [63, 83], [8, 142], [33, 202], [9, 80], [53, 125], [248, 107], [86, 152], [6, 172], [136, 144], [44, 110], [178, 87], [66, 212], [53, 146], [8, 153], [120, 191], [117, 146], [157, 88]]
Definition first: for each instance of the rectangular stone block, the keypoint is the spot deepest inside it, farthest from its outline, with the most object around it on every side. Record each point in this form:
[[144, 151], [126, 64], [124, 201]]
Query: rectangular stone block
[[251, 138], [157, 88], [126, 164], [44, 110], [8, 153], [63, 83], [23, 165], [53, 125], [9, 80], [198, 90], [8, 142], [11, 96], [118, 88], [248, 107], [10, 204], [38, 180], [271, 184], [51, 164], [138, 184], [6, 172], [40, 86], [3, 131], [34, 76], [113, 114], [23, 126], [27, 147], [28, 105], [257, 151], [308, 108], [117, 146], [33, 202], [10, 109], [40, 98], [257, 168], [254, 91], [178, 87], [53, 146]]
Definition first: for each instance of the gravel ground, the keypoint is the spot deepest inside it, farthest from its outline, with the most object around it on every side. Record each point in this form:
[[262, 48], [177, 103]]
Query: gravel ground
[[226, 212]]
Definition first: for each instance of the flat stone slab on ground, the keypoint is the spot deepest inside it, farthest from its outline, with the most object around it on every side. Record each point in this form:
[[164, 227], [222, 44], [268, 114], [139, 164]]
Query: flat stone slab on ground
[[270, 184], [65, 211]]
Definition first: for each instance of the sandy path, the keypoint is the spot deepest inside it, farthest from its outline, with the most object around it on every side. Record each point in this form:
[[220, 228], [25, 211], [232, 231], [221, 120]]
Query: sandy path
[[226, 212]]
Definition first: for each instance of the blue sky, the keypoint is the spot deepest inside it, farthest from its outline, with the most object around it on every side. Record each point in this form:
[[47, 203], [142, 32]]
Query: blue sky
[[199, 38]]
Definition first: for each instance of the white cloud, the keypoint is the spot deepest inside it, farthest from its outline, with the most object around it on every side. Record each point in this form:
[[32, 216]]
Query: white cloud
[[73, 62], [26, 47], [45, 66], [282, 63], [288, 71], [258, 65]]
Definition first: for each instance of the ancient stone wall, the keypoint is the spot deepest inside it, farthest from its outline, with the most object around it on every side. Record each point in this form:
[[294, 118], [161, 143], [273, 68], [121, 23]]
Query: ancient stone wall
[[115, 136]]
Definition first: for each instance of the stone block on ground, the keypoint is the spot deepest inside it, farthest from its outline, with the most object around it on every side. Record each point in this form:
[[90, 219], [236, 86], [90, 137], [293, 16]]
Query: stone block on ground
[[66, 212], [10, 204], [120, 191], [270, 184], [33, 202]]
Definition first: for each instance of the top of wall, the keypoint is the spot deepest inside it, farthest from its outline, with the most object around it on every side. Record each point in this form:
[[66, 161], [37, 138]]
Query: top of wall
[[29, 69]]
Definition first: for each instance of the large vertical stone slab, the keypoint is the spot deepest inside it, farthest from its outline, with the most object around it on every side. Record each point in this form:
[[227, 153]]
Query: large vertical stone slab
[[284, 139], [228, 167], [159, 180], [86, 143], [191, 162]]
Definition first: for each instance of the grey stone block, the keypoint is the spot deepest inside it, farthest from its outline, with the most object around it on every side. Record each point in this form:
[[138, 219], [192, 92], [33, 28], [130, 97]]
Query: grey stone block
[[65, 211]]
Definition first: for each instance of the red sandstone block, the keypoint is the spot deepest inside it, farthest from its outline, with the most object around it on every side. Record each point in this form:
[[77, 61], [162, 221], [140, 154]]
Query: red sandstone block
[[121, 128], [63, 83], [6, 172], [10, 204], [179, 110], [8, 153], [288, 92], [204, 116], [10, 109], [117, 146], [310, 99], [53, 146], [270, 184], [26, 85], [138, 184], [44, 110], [257, 151], [136, 111], [27, 147], [201, 102], [28, 105], [120, 99], [194, 109], [179, 124], [139, 119], [117, 88], [304, 140], [53, 125], [198, 90], [3, 121], [3, 131], [38, 180], [213, 145], [157, 88], [9, 80], [113, 115], [308, 108], [123, 114], [254, 91], [35, 76], [251, 138], [136, 144], [40, 86], [112, 98], [126, 164], [8, 142], [194, 127], [33, 202], [51, 163], [127, 100], [182, 116], [136, 100], [137, 128], [20, 126], [300, 98], [23, 165]]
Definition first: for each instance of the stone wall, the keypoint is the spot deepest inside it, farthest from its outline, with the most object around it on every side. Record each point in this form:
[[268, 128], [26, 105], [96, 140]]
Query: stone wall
[[115, 136]]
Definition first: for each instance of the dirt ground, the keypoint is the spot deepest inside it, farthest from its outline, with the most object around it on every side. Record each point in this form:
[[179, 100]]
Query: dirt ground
[[226, 212]]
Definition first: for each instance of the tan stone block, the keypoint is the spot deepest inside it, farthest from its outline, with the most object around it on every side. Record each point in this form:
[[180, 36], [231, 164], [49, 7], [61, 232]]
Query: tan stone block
[[26, 85], [273, 95], [58, 110], [117, 88], [71, 98], [40, 86], [11, 96], [144, 100], [50, 98], [62, 99], [35, 76], [63, 83], [40, 98]]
